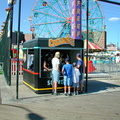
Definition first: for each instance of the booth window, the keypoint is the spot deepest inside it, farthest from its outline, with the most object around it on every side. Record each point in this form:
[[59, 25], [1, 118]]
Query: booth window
[[30, 60]]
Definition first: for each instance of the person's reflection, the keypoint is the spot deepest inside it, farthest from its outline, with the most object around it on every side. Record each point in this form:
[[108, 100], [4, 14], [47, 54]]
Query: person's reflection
[[32, 66]]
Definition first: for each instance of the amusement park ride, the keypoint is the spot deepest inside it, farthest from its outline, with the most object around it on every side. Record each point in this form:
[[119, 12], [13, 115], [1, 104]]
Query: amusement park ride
[[53, 19]]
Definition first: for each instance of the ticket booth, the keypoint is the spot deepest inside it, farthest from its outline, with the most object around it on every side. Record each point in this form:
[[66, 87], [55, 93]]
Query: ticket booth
[[34, 53]]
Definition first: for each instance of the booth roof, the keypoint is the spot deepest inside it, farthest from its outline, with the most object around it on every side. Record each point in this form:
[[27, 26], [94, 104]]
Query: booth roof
[[44, 42]]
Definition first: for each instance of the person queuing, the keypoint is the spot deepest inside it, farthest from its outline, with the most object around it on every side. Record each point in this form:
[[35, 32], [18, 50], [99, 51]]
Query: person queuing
[[55, 72], [76, 75], [67, 73], [80, 67], [47, 63]]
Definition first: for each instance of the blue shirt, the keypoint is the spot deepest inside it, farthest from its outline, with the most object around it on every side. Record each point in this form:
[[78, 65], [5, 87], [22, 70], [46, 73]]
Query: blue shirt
[[80, 62], [67, 70]]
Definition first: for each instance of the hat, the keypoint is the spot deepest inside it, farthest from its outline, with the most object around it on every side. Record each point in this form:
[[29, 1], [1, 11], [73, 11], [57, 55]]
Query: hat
[[67, 59], [57, 54], [78, 55]]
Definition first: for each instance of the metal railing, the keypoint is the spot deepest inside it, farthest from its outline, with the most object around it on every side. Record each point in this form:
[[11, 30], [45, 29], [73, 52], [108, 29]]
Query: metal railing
[[14, 67], [104, 70]]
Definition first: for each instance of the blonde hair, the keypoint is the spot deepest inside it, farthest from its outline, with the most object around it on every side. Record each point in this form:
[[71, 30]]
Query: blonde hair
[[57, 54]]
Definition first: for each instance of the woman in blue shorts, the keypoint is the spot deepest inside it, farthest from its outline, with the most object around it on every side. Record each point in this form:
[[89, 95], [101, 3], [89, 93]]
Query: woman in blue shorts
[[55, 72]]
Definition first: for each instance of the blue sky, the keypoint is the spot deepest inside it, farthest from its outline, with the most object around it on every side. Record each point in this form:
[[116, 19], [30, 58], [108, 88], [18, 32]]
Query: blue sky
[[112, 21], [110, 11]]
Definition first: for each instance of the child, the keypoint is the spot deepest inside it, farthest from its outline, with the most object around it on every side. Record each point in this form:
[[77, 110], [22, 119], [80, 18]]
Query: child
[[67, 72], [76, 74]]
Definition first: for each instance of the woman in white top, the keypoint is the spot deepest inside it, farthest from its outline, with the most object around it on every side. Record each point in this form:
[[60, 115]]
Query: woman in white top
[[55, 71]]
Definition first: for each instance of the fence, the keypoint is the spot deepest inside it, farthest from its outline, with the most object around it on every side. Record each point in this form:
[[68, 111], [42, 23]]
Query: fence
[[5, 45], [5, 51], [108, 69], [14, 67]]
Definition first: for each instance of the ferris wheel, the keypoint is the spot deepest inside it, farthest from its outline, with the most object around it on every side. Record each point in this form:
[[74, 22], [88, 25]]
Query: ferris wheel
[[52, 19]]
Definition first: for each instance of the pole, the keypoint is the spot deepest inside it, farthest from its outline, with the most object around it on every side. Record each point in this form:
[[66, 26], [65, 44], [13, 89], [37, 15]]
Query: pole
[[10, 45], [18, 40], [87, 11]]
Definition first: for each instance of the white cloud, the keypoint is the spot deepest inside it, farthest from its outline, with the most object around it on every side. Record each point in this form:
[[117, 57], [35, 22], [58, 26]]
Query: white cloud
[[114, 19]]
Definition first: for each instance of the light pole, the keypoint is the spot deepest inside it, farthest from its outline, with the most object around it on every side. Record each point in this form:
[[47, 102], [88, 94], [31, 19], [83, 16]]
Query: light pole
[[18, 40], [87, 11]]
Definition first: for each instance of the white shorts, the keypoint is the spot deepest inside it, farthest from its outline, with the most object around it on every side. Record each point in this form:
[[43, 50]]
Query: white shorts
[[76, 85]]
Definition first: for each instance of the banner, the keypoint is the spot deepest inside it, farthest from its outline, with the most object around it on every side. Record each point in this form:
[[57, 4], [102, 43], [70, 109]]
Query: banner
[[76, 32]]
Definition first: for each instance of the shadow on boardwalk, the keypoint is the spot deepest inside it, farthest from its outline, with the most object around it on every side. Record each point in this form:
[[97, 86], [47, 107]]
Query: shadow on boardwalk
[[96, 86], [23, 111]]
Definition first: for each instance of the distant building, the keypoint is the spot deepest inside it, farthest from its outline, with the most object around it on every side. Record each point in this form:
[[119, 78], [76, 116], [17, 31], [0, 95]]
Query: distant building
[[23, 37], [111, 47], [14, 38], [102, 41], [29, 36]]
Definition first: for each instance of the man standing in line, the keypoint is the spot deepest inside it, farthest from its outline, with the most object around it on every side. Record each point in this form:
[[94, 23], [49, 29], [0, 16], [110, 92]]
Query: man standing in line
[[55, 72], [80, 67]]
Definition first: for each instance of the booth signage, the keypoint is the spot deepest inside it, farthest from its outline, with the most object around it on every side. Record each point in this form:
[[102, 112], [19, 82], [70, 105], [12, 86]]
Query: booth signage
[[76, 19], [49, 82], [61, 41]]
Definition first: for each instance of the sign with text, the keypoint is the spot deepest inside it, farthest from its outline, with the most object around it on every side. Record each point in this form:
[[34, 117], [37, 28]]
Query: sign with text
[[76, 19], [61, 41]]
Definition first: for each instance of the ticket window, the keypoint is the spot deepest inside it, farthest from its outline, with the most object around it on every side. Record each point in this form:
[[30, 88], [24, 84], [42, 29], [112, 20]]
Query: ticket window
[[30, 60], [49, 54]]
